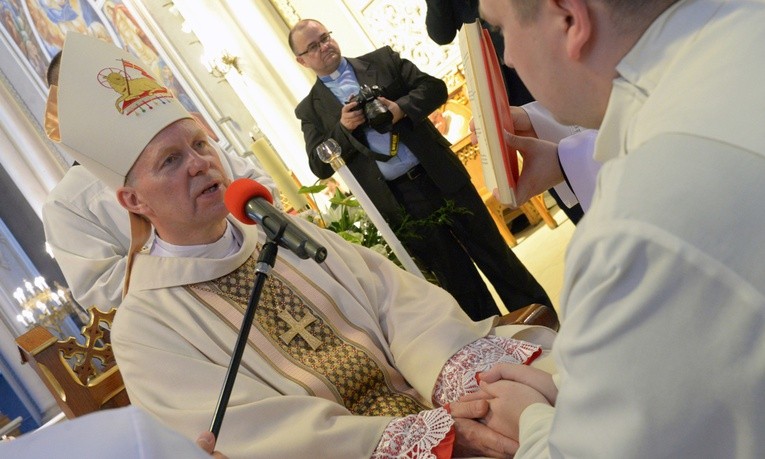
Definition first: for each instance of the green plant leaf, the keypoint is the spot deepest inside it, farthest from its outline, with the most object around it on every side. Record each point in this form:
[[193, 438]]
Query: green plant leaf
[[311, 189]]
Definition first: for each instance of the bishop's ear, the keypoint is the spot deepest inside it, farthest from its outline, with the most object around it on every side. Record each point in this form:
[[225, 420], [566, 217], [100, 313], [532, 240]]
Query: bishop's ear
[[129, 199]]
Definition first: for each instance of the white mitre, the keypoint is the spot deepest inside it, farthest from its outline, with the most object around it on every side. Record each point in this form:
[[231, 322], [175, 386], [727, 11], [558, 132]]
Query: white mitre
[[106, 107], [104, 111]]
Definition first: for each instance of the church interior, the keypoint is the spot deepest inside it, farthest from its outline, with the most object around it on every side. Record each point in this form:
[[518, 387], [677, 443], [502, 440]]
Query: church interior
[[229, 64]]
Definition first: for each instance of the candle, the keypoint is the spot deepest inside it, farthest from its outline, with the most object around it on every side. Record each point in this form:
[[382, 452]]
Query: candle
[[29, 286], [29, 316], [19, 295], [55, 298], [42, 307], [329, 152], [281, 175], [20, 318], [40, 283]]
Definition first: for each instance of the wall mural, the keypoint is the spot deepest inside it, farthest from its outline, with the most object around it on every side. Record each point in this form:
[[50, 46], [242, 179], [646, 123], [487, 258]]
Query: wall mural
[[38, 27], [17, 27]]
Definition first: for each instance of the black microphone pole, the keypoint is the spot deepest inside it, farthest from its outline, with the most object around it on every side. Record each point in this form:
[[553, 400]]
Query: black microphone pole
[[266, 261]]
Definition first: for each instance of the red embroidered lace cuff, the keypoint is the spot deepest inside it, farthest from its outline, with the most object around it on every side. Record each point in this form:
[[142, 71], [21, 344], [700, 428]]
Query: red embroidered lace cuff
[[458, 377], [427, 434]]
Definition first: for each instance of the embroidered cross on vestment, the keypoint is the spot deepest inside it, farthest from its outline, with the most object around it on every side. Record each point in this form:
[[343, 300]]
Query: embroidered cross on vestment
[[298, 328]]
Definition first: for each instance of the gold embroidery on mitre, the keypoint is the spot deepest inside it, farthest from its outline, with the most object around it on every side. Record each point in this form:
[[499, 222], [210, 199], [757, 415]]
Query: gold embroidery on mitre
[[348, 367], [138, 90]]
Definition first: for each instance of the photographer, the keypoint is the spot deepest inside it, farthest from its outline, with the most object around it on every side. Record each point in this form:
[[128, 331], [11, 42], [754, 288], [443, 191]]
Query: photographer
[[406, 167]]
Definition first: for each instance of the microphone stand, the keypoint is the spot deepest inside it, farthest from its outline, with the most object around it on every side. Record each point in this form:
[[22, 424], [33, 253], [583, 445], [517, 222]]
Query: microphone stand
[[266, 261]]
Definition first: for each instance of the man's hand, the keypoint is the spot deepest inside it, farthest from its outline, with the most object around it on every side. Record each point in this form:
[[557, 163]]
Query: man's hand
[[472, 438], [535, 378], [395, 110], [541, 169], [350, 117], [521, 125], [206, 441], [509, 400]]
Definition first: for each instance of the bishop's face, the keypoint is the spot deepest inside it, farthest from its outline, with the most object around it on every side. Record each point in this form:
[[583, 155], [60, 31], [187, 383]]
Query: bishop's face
[[178, 184], [316, 49]]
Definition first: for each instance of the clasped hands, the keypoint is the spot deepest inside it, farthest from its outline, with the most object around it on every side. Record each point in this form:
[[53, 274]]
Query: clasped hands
[[486, 421], [541, 169]]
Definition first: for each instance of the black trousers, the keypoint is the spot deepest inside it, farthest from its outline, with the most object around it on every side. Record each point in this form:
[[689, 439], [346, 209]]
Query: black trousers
[[449, 250]]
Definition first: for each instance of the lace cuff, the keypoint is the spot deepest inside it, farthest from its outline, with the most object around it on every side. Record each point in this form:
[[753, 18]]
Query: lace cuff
[[414, 436], [458, 377]]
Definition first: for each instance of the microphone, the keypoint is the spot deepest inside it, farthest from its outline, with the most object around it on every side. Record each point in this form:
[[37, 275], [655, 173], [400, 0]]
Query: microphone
[[251, 203]]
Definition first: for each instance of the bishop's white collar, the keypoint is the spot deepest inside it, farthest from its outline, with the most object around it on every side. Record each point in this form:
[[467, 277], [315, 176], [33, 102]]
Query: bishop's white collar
[[227, 245]]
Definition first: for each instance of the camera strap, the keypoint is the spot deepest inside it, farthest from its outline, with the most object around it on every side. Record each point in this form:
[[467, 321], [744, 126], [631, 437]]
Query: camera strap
[[366, 151], [393, 143]]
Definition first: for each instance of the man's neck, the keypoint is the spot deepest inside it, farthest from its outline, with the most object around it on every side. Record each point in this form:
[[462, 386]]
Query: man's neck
[[226, 245], [334, 74]]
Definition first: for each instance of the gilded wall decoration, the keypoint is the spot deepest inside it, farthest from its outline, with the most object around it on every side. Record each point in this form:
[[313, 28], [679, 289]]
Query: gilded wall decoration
[[401, 24], [287, 12]]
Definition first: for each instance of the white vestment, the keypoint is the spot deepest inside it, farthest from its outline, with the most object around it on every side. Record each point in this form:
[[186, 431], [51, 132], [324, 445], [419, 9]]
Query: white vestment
[[119, 433], [575, 155], [661, 351], [174, 334]]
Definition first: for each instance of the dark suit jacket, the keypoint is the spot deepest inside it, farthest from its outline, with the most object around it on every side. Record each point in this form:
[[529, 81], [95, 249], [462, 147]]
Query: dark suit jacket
[[417, 93]]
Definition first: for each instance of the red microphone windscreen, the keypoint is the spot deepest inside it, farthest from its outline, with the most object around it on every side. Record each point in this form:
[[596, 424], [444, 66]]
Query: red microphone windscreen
[[239, 192]]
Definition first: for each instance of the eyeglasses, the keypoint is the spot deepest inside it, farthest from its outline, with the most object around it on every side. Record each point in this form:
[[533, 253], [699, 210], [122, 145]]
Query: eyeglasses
[[313, 47]]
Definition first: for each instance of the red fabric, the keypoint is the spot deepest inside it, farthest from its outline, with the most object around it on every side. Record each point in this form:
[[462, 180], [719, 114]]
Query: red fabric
[[444, 449], [533, 357]]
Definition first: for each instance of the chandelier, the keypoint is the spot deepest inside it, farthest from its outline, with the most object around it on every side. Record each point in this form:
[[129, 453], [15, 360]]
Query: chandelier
[[40, 304]]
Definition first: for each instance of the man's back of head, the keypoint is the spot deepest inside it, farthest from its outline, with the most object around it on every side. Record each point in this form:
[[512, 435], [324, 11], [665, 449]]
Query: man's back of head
[[53, 68]]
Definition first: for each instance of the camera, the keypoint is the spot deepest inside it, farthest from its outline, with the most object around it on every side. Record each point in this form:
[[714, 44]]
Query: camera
[[376, 113]]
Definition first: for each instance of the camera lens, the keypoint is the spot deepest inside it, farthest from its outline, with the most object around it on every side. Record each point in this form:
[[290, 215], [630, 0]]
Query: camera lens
[[378, 116]]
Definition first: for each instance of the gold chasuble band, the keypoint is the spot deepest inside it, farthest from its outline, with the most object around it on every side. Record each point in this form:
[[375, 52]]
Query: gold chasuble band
[[311, 342]]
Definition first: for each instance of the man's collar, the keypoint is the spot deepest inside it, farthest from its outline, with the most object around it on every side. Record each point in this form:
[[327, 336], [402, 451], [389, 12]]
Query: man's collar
[[342, 68], [641, 69]]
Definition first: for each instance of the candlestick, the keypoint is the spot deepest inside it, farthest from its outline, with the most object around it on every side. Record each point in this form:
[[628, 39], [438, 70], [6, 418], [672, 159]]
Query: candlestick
[[329, 152], [281, 175]]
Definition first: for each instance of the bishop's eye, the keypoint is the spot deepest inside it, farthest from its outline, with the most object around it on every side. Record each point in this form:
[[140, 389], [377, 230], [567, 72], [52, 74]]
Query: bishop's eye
[[170, 160]]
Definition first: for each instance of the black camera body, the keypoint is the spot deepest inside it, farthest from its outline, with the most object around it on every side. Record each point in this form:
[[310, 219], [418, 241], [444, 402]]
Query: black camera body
[[376, 113]]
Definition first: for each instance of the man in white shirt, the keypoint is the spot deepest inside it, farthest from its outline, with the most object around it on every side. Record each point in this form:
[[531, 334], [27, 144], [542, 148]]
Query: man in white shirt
[[662, 340], [553, 153]]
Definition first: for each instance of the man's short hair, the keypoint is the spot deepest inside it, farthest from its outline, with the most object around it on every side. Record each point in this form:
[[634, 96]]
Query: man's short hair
[[526, 10], [624, 13], [53, 67], [299, 26]]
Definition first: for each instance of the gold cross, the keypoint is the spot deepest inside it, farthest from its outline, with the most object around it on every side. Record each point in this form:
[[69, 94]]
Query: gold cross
[[298, 328]]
